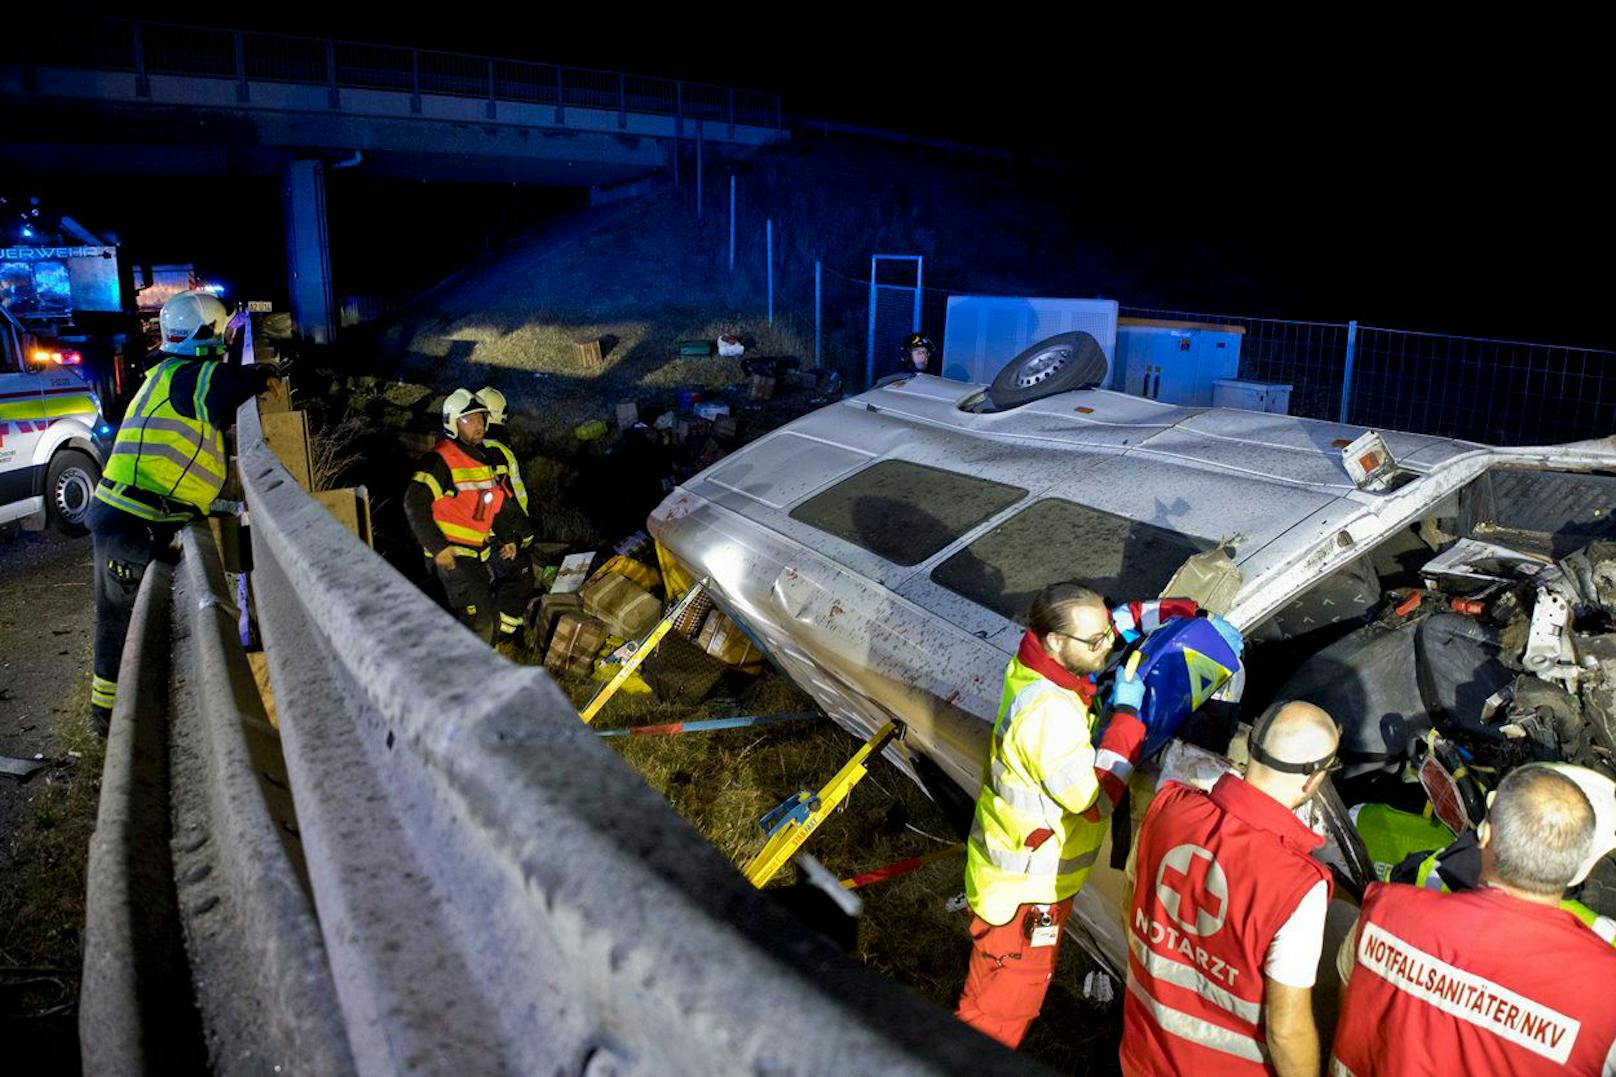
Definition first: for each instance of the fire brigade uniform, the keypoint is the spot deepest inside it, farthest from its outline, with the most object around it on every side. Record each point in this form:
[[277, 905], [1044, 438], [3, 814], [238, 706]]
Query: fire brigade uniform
[[457, 499], [1474, 982], [1223, 877], [509, 472], [1041, 818], [166, 468]]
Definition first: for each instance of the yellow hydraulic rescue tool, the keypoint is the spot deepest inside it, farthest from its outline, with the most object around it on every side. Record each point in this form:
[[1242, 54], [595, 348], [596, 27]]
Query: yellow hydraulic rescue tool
[[791, 824], [641, 652]]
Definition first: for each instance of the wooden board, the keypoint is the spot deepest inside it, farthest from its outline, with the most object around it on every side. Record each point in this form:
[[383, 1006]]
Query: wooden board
[[351, 506], [287, 434]]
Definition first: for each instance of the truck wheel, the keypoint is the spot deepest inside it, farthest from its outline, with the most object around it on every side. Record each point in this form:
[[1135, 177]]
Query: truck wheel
[[69, 488], [1057, 364]]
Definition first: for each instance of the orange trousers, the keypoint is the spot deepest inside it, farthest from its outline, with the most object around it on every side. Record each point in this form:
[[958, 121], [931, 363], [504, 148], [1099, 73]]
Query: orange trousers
[[1008, 975]]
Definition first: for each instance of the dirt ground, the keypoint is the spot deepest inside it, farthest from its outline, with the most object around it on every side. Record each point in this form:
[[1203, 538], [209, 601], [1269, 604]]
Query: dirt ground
[[46, 620]]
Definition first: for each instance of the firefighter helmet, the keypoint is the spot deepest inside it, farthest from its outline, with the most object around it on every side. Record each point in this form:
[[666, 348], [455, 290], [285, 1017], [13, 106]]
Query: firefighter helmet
[[192, 323], [494, 400], [456, 406], [918, 340]]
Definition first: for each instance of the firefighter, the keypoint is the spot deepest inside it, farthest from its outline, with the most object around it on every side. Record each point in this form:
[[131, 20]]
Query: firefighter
[[1498, 979], [461, 513], [510, 473], [1227, 919], [918, 355], [1046, 798], [166, 468]]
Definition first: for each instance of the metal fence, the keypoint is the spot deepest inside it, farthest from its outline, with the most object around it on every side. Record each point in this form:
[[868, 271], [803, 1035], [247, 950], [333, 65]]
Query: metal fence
[[1502, 392], [472, 881], [146, 48]]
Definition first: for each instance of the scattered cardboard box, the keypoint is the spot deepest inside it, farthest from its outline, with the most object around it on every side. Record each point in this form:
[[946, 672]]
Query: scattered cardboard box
[[574, 573]]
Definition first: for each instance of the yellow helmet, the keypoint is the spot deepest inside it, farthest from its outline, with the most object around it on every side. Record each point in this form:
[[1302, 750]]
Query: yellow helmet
[[456, 406], [494, 400]]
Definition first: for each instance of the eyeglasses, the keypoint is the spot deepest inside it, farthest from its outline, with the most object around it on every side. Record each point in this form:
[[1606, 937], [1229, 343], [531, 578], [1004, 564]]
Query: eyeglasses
[[1097, 642]]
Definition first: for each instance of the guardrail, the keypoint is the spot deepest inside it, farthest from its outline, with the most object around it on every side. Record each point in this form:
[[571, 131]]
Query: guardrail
[[146, 48], [488, 887]]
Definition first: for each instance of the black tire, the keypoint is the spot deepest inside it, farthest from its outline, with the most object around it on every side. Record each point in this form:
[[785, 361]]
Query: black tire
[[1057, 364], [69, 487]]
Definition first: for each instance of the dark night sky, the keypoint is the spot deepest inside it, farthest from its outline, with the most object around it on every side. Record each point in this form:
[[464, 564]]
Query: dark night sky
[[1405, 174]]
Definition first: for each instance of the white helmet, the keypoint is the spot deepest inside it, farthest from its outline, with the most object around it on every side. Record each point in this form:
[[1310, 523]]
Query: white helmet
[[456, 406], [1601, 793], [192, 323], [494, 400]]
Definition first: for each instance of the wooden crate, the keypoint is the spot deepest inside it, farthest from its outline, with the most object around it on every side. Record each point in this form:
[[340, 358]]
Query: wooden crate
[[589, 356]]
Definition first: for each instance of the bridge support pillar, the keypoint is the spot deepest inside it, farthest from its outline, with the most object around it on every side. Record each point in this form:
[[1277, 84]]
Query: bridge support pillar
[[308, 249]]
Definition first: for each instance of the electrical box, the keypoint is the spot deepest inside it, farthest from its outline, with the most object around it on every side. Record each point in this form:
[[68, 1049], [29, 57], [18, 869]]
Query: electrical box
[[1176, 362], [1251, 396]]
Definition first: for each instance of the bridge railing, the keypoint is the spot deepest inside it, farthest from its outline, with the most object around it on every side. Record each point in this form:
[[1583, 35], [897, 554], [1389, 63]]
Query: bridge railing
[[146, 48]]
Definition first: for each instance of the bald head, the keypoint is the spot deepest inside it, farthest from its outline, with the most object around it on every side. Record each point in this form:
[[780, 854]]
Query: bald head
[[1297, 733], [1540, 826], [1301, 733]]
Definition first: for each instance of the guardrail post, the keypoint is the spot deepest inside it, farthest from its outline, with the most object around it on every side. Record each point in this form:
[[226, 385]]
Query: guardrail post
[[142, 83], [1346, 374], [332, 96], [622, 101], [242, 93], [732, 115], [561, 100], [415, 80]]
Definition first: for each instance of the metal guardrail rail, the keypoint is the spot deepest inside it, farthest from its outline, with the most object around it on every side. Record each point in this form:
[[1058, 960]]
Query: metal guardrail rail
[[144, 48], [472, 881]]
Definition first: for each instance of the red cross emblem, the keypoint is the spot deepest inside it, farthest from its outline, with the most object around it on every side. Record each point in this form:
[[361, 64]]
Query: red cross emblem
[[1193, 890]]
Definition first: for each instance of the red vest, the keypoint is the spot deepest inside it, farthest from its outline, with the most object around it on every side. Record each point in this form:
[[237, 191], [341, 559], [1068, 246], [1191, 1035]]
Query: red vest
[[1475, 982], [466, 516], [1219, 874]]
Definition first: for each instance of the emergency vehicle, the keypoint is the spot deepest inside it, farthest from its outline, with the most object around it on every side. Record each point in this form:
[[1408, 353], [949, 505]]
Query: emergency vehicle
[[52, 434]]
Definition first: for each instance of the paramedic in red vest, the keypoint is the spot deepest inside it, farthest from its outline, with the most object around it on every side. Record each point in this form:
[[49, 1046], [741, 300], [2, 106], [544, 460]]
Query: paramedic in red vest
[[1046, 798], [462, 514], [1499, 979], [1228, 914]]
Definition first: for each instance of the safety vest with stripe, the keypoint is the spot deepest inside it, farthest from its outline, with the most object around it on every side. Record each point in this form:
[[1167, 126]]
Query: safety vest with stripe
[[1218, 875], [159, 451], [1429, 877], [1031, 842], [506, 467], [1390, 835], [464, 511], [1474, 982]]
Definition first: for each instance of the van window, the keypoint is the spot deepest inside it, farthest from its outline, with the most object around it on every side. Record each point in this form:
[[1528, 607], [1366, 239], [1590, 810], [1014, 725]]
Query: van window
[[1052, 541], [905, 512]]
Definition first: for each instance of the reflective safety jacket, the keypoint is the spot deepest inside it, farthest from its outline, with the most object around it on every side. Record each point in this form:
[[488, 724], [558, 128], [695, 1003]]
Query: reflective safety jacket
[[458, 500], [167, 447], [506, 467], [1042, 814]]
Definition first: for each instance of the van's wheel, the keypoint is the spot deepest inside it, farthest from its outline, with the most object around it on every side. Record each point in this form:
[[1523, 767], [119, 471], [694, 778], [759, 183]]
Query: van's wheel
[[1056, 364], [69, 488]]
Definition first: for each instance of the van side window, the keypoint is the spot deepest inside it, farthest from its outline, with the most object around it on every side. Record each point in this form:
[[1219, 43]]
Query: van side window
[[1054, 540], [10, 348], [905, 512]]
